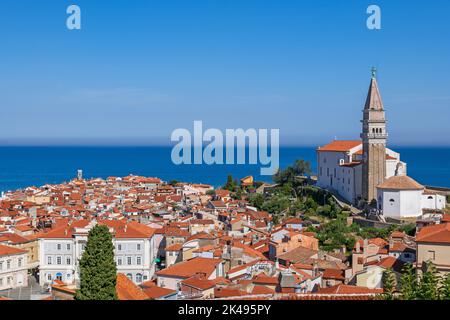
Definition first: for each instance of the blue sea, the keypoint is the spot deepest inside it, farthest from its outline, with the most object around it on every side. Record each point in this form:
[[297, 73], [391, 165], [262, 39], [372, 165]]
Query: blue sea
[[35, 166]]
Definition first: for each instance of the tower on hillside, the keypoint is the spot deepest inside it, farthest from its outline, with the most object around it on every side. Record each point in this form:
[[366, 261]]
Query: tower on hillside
[[80, 175], [374, 137]]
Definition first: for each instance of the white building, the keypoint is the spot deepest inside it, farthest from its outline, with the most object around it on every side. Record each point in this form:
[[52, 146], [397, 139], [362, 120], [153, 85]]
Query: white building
[[13, 268], [366, 171], [402, 197], [339, 166], [62, 248]]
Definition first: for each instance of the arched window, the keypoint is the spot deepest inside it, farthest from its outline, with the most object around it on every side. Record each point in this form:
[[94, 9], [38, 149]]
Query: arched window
[[130, 276], [138, 278], [430, 197]]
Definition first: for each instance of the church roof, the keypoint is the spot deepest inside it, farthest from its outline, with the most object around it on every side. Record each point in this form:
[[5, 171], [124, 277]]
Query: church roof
[[400, 183], [340, 145], [373, 100]]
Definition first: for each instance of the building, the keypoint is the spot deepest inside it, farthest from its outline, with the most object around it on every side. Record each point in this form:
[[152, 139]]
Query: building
[[29, 244], [13, 268], [354, 168], [374, 137], [204, 268], [402, 197], [433, 244], [61, 249], [367, 172]]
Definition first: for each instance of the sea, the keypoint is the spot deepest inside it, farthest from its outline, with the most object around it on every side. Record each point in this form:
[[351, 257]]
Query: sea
[[21, 167]]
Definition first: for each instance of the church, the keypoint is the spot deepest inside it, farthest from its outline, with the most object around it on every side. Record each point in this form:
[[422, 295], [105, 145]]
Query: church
[[365, 171]]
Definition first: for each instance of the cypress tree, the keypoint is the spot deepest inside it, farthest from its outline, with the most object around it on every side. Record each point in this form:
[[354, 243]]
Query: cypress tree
[[445, 290], [97, 267], [408, 282], [389, 284], [429, 285]]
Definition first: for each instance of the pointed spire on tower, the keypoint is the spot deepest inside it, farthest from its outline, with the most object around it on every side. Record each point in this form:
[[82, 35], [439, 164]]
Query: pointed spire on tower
[[373, 101]]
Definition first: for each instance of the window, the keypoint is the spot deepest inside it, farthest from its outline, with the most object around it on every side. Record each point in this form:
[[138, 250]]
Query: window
[[430, 197], [1, 265], [59, 246], [138, 260], [68, 261], [139, 278], [130, 276], [68, 246], [58, 260], [320, 170], [119, 247], [129, 260], [8, 264], [119, 261], [431, 255], [49, 277], [139, 247], [19, 262], [49, 260], [68, 276], [1, 282]]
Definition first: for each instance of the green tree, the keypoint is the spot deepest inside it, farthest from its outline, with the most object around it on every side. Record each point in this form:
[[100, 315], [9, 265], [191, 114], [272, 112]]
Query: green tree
[[299, 168], [256, 200], [97, 267], [231, 184], [429, 285], [389, 284], [408, 282], [445, 289]]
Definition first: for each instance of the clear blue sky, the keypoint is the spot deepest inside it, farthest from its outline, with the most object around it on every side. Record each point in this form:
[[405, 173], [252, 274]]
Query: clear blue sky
[[139, 69]]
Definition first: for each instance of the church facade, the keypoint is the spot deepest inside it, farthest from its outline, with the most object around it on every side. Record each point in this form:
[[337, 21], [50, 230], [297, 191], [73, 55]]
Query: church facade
[[366, 171]]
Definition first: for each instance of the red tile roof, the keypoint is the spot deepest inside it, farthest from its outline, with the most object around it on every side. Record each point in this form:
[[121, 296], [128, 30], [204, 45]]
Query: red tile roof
[[439, 233], [155, 292], [189, 268], [340, 146], [127, 290], [6, 250], [347, 289]]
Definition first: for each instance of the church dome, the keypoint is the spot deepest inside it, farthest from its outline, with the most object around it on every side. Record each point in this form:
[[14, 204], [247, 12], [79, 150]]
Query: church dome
[[401, 183]]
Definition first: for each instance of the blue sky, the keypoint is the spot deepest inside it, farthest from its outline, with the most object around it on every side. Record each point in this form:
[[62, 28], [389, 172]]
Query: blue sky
[[140, 69]]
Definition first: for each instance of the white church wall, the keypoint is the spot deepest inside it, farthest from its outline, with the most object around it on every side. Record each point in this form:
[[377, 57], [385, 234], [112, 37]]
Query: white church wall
[[433, 201], [391, 165], [390, 203], [410, 203], [334, 177]]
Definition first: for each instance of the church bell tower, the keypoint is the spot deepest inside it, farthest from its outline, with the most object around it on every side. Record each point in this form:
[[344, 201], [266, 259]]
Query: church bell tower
[[374, 137]]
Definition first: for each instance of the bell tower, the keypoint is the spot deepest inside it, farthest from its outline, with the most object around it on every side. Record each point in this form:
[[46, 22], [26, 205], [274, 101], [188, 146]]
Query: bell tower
[[374, 137]]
